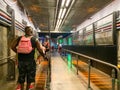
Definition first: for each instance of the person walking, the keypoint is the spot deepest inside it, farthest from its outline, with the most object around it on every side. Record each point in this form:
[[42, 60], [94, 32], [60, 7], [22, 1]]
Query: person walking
[[26, 62], [46, 44]]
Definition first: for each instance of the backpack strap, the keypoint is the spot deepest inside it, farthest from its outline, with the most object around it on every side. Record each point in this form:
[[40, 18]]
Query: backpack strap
[[33, 41], [15, 43]]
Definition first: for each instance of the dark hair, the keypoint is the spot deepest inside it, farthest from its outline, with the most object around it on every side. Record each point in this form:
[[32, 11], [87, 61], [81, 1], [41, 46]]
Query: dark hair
[[27, 28]]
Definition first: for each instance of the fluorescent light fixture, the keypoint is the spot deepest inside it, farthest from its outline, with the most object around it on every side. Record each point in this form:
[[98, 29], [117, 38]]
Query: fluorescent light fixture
[[63, 13], [63, 2], [60, 13], [67, 3], [59, 23], [67, 12], [56, 12]]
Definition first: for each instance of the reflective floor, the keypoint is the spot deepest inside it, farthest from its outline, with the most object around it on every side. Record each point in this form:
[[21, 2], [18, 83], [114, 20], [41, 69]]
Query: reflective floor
[[63, 77], [41, 73]]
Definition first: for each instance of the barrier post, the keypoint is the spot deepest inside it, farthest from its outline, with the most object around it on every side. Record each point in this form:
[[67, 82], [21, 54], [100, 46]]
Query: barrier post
[[89, 69], [77, 63], [113, 79]]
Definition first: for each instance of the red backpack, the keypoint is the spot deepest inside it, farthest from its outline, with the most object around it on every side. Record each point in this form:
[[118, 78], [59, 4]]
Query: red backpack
[[24, 45]]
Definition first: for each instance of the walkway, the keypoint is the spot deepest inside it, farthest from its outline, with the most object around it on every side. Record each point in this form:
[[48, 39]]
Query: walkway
[[63, 78]]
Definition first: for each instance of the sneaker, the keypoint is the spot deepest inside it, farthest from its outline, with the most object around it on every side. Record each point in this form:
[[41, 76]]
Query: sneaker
[[18, 87], [31, 87]]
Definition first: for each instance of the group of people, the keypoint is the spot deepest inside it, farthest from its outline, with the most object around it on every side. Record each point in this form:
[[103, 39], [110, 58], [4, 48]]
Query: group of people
[[26, 61]]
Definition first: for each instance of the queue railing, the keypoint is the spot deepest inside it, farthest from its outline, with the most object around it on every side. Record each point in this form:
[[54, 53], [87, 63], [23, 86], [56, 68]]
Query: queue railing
[[113, 74], [48, 77]]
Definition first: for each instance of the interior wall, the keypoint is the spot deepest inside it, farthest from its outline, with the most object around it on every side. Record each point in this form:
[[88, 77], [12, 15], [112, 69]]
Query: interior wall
[[3, 52]]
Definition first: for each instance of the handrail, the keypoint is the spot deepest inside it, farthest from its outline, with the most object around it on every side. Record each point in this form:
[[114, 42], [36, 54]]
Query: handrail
[[4, 59], [11, 66], [100, 61], [48, 77]]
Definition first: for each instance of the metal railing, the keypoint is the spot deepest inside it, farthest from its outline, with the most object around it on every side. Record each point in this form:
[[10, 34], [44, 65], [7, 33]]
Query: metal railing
[[99, 61], [48, 77], [10, 62]]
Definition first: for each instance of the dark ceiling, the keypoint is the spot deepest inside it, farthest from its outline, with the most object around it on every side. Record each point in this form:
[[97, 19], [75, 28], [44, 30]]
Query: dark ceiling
[[44, 12]]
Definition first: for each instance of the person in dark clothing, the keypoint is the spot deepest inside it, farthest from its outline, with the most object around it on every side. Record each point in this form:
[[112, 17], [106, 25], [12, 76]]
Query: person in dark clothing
[[46, 45], [26, 62]]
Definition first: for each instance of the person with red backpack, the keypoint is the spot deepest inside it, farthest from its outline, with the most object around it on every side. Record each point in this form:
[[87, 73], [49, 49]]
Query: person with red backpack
[[25, 48]]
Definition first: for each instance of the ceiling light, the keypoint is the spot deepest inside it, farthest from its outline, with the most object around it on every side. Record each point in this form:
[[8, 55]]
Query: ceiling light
[[60, 13], [58, 23], [63, 13], [56, 12], [67, 3], [63, 2], [67, 12]]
